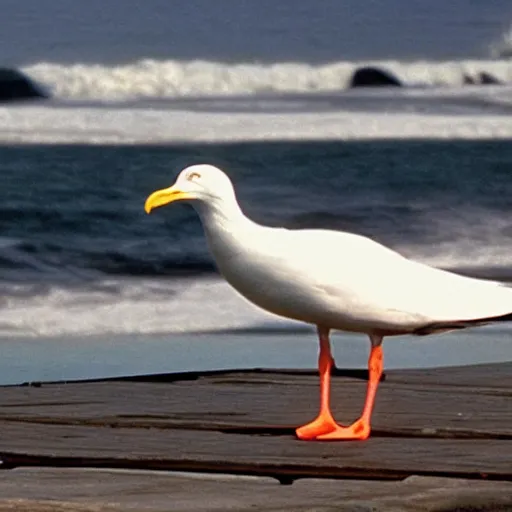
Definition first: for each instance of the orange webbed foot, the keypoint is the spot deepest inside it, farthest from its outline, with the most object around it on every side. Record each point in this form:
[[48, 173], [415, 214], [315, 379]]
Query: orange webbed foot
[[359, 430], [322, 425]]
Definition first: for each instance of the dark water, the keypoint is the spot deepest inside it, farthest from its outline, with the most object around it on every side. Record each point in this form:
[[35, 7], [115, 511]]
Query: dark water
[[76, 213], [125, 30], [82, 267]]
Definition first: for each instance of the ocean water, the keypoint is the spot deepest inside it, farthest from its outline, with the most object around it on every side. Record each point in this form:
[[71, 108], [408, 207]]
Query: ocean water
[[91, 286], [84, 270], [124, 73]]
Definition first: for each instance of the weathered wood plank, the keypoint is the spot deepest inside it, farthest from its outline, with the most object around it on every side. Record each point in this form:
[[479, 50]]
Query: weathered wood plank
[[211, 424], [480, 376], [77, 490], [258, 455], [425, 407]]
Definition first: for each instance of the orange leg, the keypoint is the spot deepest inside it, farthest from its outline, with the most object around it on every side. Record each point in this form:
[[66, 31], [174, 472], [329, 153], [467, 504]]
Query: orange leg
[[360, 429], [324, 423]]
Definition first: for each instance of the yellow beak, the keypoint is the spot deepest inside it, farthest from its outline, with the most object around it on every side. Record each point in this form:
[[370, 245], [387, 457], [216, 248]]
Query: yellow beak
[[163, 197]]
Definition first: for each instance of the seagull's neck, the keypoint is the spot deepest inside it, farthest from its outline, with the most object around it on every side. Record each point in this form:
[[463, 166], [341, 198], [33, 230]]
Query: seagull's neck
[[222, 214], [224, 223]]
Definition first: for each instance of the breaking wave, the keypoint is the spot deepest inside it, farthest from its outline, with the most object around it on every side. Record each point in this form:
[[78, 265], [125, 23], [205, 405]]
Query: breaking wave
[[180, 79], [503, 48]]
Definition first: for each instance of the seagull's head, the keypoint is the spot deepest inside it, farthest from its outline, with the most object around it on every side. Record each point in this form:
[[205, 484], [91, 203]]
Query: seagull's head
[[205, 184]]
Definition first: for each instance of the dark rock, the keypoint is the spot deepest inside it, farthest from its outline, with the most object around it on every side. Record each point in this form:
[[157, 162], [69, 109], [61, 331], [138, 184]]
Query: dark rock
[[15, 86], [469, 80], [483, 78], [488, 79], [374, 77]]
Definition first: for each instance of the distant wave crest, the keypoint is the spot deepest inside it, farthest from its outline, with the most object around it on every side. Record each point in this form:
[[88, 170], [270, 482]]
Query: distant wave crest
[[503, 48], [180, 79]]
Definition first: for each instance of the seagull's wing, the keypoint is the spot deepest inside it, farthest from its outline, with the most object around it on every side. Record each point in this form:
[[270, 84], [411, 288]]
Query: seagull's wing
[[377, 283]]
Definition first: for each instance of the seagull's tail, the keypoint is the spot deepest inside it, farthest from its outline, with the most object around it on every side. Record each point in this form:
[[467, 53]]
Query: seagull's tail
[[438, 327]]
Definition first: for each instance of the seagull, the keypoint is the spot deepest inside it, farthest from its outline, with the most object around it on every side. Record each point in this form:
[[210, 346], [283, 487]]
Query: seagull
[[332, 280]]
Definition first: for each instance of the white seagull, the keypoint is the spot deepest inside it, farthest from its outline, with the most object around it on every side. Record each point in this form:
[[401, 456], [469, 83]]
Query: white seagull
[[334, 280]]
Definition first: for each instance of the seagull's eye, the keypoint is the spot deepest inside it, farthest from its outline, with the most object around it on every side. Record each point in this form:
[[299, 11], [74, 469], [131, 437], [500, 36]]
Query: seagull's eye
[[194, 176]]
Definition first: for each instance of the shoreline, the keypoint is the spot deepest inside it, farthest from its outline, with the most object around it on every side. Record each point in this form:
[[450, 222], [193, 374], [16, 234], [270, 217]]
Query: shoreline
[[48, 358]]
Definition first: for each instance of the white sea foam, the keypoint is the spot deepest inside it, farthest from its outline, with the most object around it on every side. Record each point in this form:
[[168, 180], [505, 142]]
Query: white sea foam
[[465, 238], [170, 79], [130, 306], [489, 258], [166, 102], [95, 125], [503, 48]]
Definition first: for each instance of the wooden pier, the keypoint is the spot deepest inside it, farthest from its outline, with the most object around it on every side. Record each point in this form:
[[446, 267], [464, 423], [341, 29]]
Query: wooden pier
[[441, 440]]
